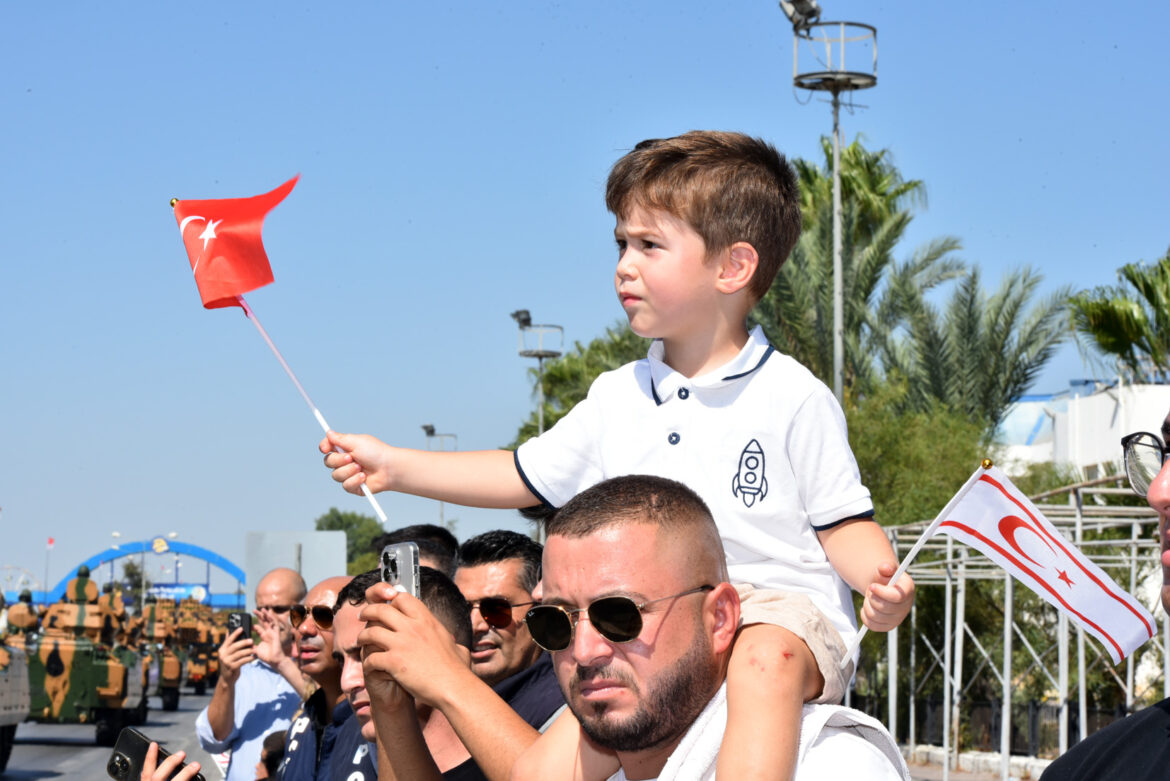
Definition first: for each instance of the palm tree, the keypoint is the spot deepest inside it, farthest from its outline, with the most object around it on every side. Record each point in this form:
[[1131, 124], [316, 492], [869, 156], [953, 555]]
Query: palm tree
[[1129, 321], [980, 352]]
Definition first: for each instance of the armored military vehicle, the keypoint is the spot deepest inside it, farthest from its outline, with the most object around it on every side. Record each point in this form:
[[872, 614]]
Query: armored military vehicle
[[160, 636], [195, 632], [14, 693], [74, 673]]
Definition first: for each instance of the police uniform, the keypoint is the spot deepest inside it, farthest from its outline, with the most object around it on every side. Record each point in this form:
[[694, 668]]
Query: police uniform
[[761, 440], [325, 744]]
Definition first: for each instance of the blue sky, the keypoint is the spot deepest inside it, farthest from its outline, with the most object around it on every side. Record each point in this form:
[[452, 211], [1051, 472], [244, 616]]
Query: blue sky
[[453, 157]]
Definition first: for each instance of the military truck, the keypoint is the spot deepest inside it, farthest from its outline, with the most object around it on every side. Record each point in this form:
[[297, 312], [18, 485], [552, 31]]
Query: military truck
[[75, 676], [14, 693], [159, 633]]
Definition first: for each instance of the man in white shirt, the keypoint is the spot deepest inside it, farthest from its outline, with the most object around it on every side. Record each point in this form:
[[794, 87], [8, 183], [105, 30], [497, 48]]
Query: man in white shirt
[[640, 619]]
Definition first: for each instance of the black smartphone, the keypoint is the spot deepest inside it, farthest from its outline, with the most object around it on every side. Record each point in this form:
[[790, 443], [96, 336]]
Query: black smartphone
[[237, 620], [399, 565], [129, 753]]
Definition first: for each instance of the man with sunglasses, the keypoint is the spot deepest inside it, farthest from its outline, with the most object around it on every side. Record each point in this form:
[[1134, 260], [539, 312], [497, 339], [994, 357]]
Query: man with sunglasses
[[498, 571], [253, 695], [639, 618], [324, 733], [1136, 748]]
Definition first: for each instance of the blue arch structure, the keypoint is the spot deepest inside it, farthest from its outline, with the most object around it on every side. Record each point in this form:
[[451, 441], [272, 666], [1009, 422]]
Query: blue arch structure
[[152, 545]]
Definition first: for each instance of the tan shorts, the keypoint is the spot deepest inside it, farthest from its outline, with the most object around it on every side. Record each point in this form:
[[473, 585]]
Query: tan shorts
[[798, 614]]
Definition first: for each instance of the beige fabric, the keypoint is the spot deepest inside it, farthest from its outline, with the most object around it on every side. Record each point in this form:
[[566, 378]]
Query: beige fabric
[[797, 614]]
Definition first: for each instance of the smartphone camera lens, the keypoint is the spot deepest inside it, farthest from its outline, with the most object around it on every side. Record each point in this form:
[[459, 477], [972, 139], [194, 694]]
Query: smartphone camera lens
[[118, 766]]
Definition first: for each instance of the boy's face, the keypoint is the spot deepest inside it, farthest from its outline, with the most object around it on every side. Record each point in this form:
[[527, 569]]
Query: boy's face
[[663, 279]]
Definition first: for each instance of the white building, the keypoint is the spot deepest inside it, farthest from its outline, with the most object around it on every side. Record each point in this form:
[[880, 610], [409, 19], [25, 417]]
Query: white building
[[1082, 426]]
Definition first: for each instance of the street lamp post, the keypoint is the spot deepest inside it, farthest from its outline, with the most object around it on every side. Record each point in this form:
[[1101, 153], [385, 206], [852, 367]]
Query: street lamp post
[[829, 43], [536, 341], [429, 430]]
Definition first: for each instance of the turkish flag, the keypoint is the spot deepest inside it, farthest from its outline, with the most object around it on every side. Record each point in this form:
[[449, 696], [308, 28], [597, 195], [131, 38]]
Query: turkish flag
[[995, 518], [49, 546], [222, 238]]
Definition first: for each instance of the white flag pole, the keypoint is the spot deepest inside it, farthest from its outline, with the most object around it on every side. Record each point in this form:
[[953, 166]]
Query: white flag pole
[[316, 412], [917, 548]]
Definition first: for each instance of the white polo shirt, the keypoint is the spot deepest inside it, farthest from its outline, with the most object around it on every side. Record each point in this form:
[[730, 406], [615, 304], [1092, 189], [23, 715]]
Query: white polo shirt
[[761, 439]]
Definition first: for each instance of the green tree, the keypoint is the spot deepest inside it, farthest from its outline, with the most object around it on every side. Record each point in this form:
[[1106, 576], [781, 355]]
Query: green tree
[[133, 575], [981, 351], [1129, 321], [567, 379], [360, 532]]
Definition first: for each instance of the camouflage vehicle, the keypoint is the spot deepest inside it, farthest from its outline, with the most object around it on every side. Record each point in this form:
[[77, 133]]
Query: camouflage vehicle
[[195, 632], [74, 674], [14, 692], [159, 635]]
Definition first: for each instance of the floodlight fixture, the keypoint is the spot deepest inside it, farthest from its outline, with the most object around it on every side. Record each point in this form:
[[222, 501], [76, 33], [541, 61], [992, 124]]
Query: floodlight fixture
[[802, 13]]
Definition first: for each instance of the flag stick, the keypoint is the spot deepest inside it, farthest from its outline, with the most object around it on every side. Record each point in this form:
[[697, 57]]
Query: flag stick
[[917, 548], [316, 412]]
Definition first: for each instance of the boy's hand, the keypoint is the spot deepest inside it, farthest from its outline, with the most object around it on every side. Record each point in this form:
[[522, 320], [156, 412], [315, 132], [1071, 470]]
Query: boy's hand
[[365, 460], [887, 604]]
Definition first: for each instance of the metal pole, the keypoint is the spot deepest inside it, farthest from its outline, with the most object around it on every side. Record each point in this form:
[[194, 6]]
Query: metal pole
[[1062, 653], [892, 653], [838, 283], [947, 669], [539, 396], [1005, 727], [960, 635], [1082, 687], [1135, 531], [912, 689]]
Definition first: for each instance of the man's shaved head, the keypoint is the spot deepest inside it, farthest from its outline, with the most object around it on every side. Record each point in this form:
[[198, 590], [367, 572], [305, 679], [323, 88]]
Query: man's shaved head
[[682, 518], [281, 586]]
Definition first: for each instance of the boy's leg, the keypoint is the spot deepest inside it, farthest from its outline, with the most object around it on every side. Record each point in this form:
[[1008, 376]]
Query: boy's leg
[[770, 675], [563, 753]]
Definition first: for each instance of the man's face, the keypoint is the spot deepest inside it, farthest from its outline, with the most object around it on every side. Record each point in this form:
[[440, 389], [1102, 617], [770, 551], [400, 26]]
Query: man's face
[[497, 653], [277, 594], [346, 627], [645, 693], [314, 645]]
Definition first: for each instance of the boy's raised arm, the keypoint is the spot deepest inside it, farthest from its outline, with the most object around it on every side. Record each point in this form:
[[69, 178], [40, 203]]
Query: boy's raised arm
[[478, 478], [861, 554]]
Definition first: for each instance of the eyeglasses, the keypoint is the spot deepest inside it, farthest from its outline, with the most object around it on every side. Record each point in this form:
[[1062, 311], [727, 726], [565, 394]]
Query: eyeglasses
[[322, 616], [278, 609], [617, 619], [496, 611], [1144, 457]]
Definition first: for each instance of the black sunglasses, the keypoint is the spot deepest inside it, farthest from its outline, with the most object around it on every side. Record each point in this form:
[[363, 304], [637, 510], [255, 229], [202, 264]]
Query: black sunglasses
[[1144, 458], [496, 611], [279, 609], [322, 616], [617, 619]]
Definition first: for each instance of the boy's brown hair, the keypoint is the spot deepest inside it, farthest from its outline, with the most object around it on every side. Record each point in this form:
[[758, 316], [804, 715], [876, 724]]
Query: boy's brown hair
[[728, 187]]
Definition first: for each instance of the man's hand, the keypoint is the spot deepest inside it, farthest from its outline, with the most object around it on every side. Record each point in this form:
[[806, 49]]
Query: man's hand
[[152, 771], [276, 638], [887, 604], [403, 640], [365, 459], [235, 652]]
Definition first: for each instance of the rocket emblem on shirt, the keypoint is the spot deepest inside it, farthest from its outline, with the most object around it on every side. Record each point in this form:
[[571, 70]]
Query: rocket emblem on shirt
[[749, 483]]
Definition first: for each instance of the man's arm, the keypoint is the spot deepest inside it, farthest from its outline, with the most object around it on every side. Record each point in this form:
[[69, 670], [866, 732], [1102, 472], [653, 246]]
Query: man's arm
[[861, 554], [221, 711], [483, 478], [423, 658]]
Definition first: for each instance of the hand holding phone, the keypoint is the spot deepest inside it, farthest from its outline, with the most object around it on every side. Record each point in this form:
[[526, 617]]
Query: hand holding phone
[[131, 758], [399, 566]]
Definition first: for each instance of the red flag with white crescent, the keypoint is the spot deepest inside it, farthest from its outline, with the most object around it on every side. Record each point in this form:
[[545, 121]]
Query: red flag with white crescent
[[223, 242], [995, 518]]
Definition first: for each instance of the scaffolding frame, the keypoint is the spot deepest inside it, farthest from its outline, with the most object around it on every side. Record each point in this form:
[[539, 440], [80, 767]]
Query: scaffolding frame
[[1083, 518]]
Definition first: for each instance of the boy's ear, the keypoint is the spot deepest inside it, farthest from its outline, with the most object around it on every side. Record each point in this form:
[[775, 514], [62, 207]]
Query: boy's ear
[[738, 266]]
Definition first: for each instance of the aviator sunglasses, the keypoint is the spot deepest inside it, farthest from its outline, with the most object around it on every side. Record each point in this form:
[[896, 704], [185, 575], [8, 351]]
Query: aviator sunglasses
[[496, 611], [617, 619], [322, 616]]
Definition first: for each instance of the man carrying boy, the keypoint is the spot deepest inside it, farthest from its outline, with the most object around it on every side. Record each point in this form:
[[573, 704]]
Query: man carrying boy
[[704, 222]]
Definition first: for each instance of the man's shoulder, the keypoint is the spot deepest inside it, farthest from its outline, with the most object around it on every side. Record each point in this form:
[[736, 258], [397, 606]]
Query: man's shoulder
[[533, 692]]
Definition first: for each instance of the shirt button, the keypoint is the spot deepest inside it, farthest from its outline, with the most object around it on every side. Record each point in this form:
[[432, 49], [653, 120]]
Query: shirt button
[[683, 393], [673, 438]]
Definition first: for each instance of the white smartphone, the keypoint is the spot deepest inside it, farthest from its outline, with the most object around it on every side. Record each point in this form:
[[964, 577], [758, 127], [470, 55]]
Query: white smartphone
[[399, 565]]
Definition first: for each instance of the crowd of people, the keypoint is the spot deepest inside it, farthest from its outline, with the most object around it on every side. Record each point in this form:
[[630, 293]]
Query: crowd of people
[[706, 523]]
